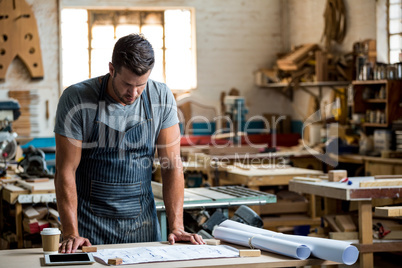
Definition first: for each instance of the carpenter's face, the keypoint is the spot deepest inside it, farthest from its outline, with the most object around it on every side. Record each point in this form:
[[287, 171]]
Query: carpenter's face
[[126, 86]]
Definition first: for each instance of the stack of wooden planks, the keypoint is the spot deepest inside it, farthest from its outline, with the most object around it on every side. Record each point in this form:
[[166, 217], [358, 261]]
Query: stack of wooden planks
[[296, 59]]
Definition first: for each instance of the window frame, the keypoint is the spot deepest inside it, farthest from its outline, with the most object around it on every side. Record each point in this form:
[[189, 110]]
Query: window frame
[[194, 82], [389, 35]]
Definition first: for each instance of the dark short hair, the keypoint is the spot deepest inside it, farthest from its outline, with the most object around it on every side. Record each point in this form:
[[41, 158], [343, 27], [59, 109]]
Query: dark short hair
[[135, 53]]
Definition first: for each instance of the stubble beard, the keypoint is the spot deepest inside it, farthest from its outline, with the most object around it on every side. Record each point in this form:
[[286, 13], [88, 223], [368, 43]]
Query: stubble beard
[[119, 96]]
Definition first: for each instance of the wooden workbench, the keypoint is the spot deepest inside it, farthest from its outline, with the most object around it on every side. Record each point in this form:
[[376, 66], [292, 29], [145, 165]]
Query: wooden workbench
[[194, 198], [364, 197], [222, 197], [25, 192], [253, 177], [257, 176], [33, 258], [372, 165]]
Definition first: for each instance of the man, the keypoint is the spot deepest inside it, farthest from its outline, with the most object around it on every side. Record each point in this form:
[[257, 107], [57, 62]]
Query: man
[[106, 132]]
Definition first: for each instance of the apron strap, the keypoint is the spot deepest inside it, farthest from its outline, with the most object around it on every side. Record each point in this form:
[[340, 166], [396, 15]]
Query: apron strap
[[102, 93]]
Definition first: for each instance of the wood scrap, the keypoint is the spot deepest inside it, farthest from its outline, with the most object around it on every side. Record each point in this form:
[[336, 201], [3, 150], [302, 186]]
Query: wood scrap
[[388, 211], [393, 235], [213, 242], [89, 249], [54, 214], [380, 177], [14, 188], [337, 175], [345, 223], [115, 261], [30, 212], [379, 183], [294, 60], [306, 179], [249, 253], [330, 219], [37, 179], [321, 66], [344, 235]]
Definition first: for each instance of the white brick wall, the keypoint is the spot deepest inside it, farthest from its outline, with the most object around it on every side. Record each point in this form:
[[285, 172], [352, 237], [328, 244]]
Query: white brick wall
[[18, 78], [234, 39]]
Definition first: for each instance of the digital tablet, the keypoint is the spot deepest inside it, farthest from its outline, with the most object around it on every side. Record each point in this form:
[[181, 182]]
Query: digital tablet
[[69, 259]]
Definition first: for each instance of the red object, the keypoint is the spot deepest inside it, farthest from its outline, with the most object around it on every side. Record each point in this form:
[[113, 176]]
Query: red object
[[43, 225]]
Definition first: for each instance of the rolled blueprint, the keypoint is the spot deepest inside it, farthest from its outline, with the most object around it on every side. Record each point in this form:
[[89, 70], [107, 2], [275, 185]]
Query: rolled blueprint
[[280, 246], [327, 249]]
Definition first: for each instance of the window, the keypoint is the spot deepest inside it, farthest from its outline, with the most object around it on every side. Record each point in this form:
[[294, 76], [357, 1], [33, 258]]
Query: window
[[395, 30], [88, 38]]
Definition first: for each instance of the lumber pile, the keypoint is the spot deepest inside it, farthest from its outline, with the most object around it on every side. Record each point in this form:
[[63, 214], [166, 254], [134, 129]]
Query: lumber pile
[[296, 59], [309, 63]]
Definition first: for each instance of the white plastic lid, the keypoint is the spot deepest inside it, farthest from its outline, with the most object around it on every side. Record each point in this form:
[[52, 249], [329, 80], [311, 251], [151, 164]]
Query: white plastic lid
[[50, 231]]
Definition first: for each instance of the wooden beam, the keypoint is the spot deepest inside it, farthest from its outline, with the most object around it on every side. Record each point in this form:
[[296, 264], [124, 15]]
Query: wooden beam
[[366, 232], [388, 211], [306, 179], [379, 247], [393, 182], [345, 222], [344, 235]]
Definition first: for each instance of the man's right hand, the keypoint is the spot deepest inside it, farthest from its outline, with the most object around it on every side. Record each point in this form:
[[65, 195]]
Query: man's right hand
[[72, 243]]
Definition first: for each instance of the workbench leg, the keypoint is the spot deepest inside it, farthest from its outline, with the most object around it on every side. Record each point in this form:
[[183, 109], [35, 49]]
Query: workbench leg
[[18, 224], [313, 209], [163, 223], [366, 232], [330, 206]]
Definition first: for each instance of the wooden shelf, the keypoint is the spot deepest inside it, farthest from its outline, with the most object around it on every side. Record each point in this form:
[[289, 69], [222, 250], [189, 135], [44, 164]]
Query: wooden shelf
[[376, 101], [287, 89], [369, 82], [389, 107], [374, 125], [309, 84]]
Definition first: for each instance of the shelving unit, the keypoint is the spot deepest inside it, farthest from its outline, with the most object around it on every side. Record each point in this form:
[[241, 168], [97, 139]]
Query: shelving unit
[[287, 88], [379, 100]]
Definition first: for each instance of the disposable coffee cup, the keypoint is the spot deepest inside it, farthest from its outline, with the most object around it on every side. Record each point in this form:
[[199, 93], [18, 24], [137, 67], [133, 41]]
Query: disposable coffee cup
[[50, 240]]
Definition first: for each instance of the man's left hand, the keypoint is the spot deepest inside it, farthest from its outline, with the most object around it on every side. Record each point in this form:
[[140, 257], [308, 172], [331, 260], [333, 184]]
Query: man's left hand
[[181, 235]]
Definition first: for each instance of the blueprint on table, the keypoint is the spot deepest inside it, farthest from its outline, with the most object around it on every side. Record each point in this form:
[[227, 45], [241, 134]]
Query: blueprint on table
[[165, 253]]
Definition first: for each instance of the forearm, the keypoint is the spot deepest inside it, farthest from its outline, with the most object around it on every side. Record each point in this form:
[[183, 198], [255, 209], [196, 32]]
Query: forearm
[[67, 202], [173, 195]]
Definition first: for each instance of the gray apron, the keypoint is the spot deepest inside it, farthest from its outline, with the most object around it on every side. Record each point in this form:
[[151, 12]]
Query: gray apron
[[115, 199]]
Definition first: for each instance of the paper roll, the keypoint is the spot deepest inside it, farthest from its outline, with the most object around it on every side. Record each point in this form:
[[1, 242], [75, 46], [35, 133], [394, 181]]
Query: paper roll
[[280, 246], [327, 249]]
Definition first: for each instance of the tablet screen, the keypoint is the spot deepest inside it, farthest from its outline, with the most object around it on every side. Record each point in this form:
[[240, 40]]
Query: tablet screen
[[68, 257]]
